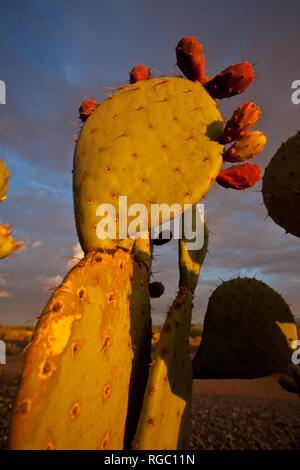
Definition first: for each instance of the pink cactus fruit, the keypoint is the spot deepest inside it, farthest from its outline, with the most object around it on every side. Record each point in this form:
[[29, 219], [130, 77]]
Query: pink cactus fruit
[[190, 58], [231, 81], [242, 120], [139, 73], [86, 108]]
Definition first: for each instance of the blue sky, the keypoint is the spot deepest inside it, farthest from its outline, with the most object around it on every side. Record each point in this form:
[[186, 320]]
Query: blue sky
[[53, 53]]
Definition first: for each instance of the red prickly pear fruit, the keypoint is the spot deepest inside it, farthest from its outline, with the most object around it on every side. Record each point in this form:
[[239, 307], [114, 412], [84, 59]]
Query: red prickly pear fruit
[[231, 81], [139, 73], [86, 108], [163, 237], [242, 120], [190, 58], [239, 176], [156, 289]]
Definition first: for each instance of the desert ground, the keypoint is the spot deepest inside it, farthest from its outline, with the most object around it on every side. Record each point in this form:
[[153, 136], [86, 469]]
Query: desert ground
[[226, 414]]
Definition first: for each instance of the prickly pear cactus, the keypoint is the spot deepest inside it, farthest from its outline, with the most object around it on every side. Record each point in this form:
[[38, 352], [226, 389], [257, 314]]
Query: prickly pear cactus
[[248, 332], [281, 186], [155, 142], [7, 244], [165, 417]]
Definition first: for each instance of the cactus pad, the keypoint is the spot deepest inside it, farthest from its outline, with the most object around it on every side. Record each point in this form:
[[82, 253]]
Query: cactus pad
[[74, 390], [4, 177], [7, 244], [155, 141], [165, 417], [248, 332], [281, 186]]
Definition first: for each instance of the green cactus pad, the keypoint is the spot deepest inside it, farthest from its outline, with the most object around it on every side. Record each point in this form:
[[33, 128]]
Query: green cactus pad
[[165, 417], [4, 177], [190, 261], [75, 385], [248, 332], [281, 186], [155, 142], [141, 333], [7, 244]]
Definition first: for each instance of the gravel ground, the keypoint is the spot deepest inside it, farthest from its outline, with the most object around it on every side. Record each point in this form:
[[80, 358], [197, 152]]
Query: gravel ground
[[244, 423], [218, 421]]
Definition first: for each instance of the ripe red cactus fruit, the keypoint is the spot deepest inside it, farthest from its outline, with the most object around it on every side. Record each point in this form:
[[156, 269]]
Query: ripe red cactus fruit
[[86, 108], [239, 176], [156, 289], [242, 120], [190, 58], [231, 81], [163, 237], [139, 73]]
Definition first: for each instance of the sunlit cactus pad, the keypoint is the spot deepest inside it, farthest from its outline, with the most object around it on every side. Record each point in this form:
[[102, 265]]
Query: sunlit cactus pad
[[155, 141]]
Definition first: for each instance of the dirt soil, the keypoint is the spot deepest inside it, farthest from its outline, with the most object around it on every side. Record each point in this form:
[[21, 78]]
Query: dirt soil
[[226, 414]]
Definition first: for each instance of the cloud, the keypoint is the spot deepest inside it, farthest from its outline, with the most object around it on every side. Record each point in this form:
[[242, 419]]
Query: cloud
[[4, 294], [3, 281], [77, 255], [54, 280], [37, 244]]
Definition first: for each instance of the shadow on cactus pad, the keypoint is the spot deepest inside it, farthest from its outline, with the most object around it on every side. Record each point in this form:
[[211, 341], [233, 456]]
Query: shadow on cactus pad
[[248, 332]]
